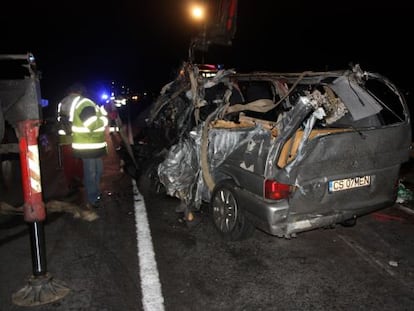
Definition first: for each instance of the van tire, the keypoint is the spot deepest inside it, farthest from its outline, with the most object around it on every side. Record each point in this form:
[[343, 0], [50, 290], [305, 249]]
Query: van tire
[[227, 216], [149, 181]]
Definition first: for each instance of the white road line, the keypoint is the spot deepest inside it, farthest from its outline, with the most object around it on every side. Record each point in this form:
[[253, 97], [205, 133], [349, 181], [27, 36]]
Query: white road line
[[405, 209], [370, 259], [152, 299], [365, 255]]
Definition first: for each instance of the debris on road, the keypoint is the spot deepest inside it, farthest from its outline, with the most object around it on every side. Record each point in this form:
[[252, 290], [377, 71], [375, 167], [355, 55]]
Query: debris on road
[[53, 207], [404, 194]]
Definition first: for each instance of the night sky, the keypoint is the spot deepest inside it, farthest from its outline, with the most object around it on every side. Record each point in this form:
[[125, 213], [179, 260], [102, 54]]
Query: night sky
[[143, 43]]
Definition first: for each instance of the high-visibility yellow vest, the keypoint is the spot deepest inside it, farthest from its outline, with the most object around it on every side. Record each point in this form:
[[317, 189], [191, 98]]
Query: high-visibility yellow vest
[[88, 128]]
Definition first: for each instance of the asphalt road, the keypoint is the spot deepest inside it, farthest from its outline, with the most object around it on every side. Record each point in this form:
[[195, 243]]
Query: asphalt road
[[121, 261], [367, 267]]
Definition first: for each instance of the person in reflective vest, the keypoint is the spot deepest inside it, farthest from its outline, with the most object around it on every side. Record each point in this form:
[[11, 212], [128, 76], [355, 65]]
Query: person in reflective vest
[[72, 166], [89, 122]]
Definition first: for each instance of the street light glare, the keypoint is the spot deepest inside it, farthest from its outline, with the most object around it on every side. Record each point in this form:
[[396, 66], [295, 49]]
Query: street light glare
[[198, 12]]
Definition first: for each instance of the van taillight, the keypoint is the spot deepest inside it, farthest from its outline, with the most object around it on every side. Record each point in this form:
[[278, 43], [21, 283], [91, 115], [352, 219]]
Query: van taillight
[[275, 190]]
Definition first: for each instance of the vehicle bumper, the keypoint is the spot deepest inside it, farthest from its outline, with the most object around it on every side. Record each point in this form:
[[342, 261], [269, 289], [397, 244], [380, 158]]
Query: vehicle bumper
[[269, 216]]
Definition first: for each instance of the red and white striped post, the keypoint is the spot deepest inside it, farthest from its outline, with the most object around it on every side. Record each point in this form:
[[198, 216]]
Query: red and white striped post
[[34, 209], [41, 288]]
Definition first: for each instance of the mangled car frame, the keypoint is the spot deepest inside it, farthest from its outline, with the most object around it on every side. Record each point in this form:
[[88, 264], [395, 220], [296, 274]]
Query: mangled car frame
[[282, 152]]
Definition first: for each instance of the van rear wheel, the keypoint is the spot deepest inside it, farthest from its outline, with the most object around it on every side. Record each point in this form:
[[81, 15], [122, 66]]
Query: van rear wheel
[[227, 216]]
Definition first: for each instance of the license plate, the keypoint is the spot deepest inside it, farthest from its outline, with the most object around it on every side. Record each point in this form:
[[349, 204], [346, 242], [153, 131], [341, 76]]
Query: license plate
[[349, 183]]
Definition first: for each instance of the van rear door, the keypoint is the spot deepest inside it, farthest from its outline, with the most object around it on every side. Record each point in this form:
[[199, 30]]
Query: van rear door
[[351, 165]]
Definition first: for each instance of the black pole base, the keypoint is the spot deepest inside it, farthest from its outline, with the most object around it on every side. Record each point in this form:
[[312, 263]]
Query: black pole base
[[40, 290]]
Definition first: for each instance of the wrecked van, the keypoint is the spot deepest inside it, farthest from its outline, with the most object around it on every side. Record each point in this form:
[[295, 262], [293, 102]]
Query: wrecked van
[[281, 152]]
